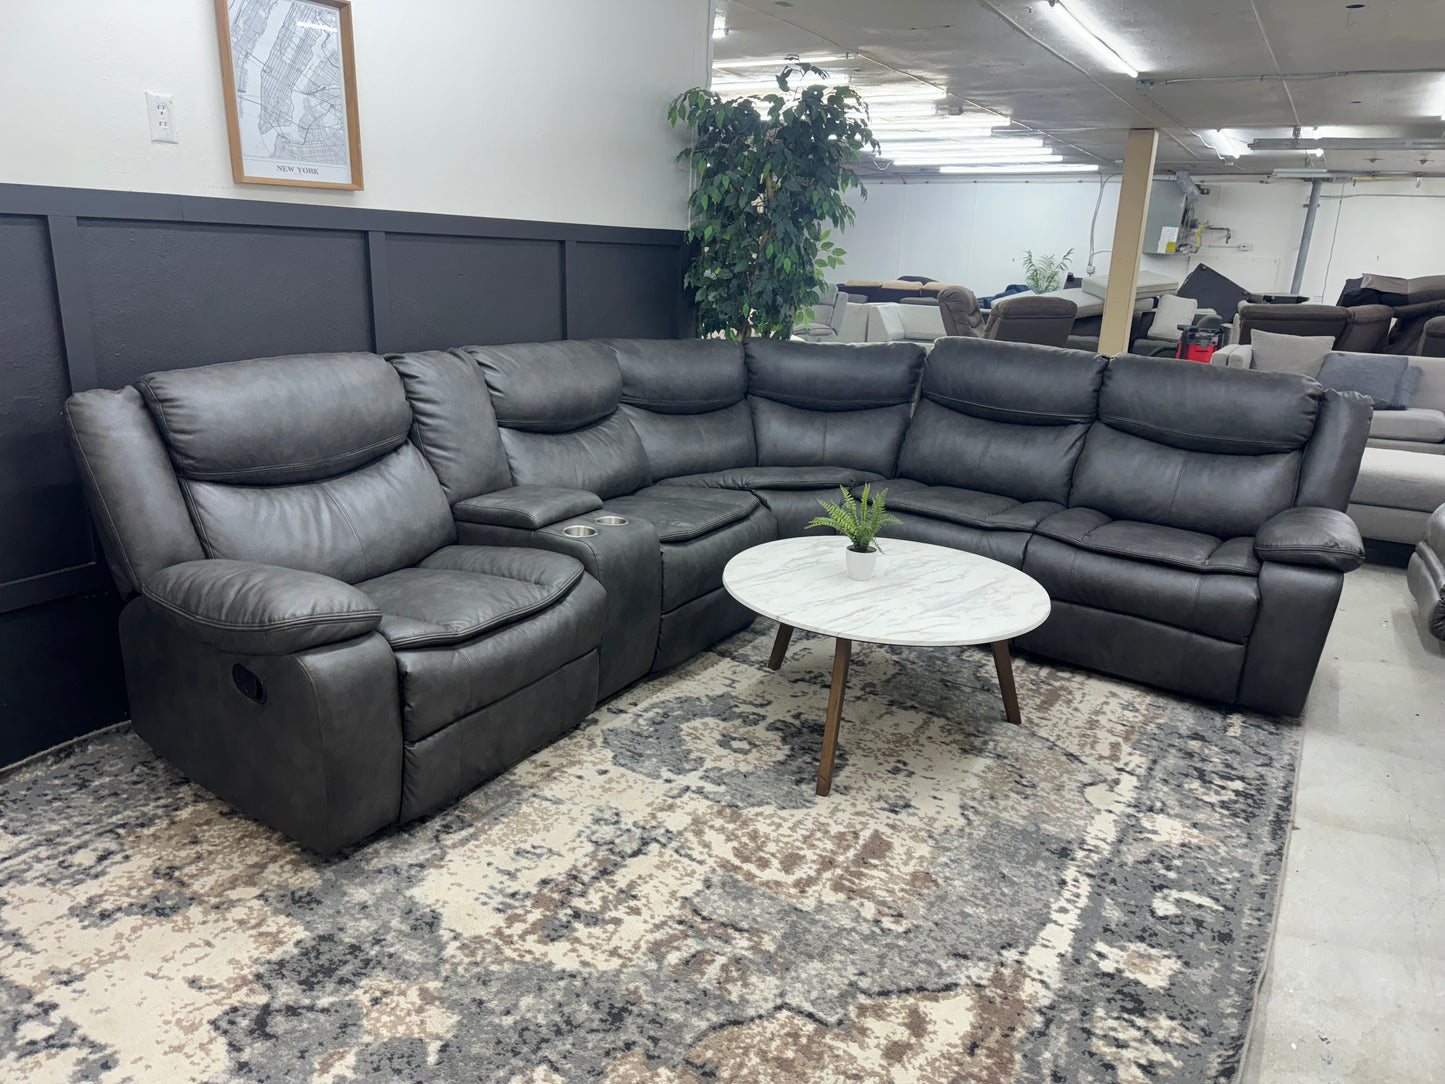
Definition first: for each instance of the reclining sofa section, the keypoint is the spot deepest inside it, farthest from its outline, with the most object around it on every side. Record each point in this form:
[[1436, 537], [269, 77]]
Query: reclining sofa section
[[360, 586]]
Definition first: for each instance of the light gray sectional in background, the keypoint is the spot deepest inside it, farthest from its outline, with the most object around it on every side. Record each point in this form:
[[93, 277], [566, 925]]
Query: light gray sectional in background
[[360, 586]]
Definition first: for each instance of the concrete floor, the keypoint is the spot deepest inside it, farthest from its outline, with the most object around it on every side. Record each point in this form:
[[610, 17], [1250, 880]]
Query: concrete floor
[[1356, 985]]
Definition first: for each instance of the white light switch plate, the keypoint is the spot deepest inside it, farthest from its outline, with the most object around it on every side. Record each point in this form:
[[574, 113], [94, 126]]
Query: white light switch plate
[[162, 117]]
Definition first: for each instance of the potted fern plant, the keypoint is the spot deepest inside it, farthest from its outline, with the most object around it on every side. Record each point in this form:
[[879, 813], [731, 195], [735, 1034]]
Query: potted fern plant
[[859, 520], [1045, 274]]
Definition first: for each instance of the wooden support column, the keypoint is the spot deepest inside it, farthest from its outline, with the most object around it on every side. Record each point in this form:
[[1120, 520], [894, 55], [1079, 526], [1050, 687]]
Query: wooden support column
[[1128, 240]]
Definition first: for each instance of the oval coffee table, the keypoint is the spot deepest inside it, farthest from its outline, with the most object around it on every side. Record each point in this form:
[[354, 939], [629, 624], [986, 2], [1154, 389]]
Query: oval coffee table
[[920, 595]]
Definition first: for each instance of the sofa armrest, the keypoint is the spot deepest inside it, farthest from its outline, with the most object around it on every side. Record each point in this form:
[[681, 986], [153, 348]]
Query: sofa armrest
[[527, 507], [253, 609], [1236, 356], [1321, 537]]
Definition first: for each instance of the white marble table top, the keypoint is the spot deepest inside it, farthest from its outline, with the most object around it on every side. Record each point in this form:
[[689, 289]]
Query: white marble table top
[[919, 594]]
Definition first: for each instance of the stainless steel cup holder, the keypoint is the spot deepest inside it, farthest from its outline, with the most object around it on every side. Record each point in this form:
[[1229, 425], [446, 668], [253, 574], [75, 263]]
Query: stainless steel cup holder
[[579, 530], [611, 521]]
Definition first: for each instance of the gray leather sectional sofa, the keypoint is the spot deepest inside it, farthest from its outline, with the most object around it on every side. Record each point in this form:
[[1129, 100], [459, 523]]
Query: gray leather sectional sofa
[[359, 586]]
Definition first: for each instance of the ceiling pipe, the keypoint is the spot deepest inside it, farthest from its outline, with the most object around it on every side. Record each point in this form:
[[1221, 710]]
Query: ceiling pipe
[[1311, 210]]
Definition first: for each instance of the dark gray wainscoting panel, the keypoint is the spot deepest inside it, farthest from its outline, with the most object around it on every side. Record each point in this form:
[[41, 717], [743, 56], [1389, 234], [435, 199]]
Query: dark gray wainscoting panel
[[626, 291], [100, 287], [171, 295], [38, 482], [60, 672], [459, 291]]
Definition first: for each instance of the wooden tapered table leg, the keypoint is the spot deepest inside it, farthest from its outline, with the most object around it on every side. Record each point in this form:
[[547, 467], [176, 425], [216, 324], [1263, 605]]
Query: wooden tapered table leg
[[841, 654], [780, 646], [1003, 663]]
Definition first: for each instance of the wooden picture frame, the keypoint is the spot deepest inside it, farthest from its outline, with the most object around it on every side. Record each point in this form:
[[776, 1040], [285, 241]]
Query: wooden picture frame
[[291, 36]]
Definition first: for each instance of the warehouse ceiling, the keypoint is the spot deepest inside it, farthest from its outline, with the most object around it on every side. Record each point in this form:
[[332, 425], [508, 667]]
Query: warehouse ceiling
[[1212, 75]]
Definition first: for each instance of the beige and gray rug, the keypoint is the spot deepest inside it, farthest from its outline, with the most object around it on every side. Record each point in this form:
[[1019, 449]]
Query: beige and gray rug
[[661, 898]]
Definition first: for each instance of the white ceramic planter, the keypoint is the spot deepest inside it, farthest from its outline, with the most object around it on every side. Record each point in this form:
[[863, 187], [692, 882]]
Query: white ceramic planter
[[860, 565]]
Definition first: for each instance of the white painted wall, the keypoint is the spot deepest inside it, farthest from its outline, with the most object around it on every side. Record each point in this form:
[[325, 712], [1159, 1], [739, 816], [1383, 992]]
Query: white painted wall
[[975, 233], [549, 109]]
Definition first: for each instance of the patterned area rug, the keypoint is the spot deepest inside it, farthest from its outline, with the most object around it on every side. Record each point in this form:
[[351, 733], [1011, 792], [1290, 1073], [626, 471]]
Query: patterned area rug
[[661, 898]]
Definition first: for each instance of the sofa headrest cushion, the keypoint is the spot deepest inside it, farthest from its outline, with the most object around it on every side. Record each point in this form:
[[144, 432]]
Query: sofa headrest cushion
[[681, 376], [824, 376], [550, 387], [1209, 408], [1014, 382], [273, 421]]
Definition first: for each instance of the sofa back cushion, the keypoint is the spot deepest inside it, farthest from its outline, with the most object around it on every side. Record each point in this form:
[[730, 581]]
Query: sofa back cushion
[[1200, 447], [557, 406], [301, 461], [452, 421], [834, 405], [1000, 417], [275, 420], [680, 376], [685, 399]]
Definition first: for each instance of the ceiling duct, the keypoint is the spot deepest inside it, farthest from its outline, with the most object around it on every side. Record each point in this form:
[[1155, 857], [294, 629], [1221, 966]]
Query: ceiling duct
[[1186, 184]]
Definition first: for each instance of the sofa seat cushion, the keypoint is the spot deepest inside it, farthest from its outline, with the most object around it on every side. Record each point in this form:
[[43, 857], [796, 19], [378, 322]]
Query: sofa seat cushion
[[442, 684], [461, 592], [1151, 542], [969, 507], [1216, 605], [1390, 478], [1412, 423], [777, 478], [680, 514]]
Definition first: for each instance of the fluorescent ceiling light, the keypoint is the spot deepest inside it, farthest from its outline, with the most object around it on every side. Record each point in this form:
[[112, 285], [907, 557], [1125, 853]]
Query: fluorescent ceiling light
[[777, 62], [917, 142], [902, 93], [770, 86], [1091, 37], [1308, 174], [971, 159], [942, 126], [942, 149], [1061, 167]]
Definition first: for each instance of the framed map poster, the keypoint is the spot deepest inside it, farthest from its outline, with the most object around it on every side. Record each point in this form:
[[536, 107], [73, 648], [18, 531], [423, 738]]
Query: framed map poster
[[289, 75]]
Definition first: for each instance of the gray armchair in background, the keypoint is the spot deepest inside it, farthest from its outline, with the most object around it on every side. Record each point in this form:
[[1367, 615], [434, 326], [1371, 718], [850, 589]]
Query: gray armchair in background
[[827, 323]]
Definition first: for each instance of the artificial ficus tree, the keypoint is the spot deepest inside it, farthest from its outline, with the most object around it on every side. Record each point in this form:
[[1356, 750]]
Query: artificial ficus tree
[[772, 177]]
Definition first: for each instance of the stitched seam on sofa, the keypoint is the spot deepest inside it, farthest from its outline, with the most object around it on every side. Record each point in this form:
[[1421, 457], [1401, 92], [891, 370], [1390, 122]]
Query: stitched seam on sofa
[[1155, 558], [1324, 549], [280, 625], [1178, 481], [348, 458], [704, 405], [193, 509], [834, 405], [456, 634], [1112, 419], [949, 401], [345, 518], [104, 506], [1194, 603]]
